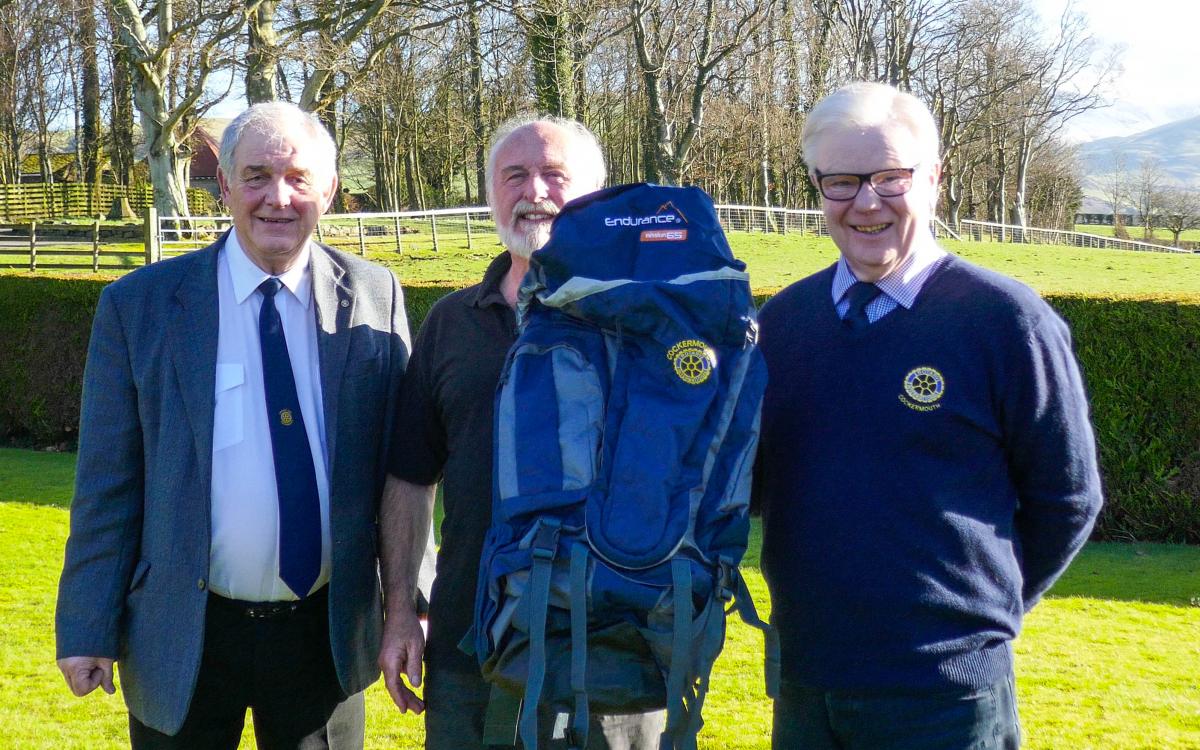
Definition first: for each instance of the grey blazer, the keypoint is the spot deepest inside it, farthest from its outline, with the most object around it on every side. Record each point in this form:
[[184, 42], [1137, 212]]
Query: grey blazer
[[134, 584]]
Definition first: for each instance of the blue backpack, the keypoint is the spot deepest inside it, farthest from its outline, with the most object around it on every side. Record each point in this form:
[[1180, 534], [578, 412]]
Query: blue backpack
[[626, 424]]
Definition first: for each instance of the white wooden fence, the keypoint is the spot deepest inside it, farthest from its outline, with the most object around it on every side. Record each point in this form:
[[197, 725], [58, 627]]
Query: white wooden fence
[[430, 231], [986, 231]]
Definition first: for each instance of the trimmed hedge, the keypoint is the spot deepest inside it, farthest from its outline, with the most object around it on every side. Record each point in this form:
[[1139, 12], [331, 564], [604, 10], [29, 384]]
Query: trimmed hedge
[[45, 323], [1141, 359]]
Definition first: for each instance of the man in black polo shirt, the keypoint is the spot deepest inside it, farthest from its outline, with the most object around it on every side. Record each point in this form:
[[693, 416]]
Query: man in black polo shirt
[[444, 433]]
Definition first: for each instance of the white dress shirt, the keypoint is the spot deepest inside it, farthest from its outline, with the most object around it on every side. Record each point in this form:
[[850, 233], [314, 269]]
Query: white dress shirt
[[244, 556]]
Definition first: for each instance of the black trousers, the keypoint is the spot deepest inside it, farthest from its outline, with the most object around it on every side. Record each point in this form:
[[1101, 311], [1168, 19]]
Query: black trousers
[[276, 661]]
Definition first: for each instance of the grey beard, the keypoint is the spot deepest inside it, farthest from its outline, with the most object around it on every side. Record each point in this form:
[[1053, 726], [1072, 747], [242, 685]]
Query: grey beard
[[522, 244]]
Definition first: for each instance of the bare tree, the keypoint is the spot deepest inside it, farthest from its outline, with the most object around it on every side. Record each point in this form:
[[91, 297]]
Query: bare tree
[[47, 84], [857, 20], [964, 78], [679, 47], [172, 59], [1063, 84], [910, 27], [1115, 186], [1180, 211], [1147, 192], [32, 93], [1054, 191]]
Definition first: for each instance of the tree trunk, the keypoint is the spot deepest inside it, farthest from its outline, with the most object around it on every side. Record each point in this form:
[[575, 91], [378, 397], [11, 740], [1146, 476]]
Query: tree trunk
[[1019, 215], [476, 103], [262, 59], [329, 118], [150, 92], [953, 199], [89, 147], [550, 52], [416, 198], [996, 182], [121, 124]]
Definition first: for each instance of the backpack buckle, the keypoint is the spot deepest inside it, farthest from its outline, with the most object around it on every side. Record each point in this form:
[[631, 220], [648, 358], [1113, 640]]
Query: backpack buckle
[[545, 541], [726, 583], [751, 333]]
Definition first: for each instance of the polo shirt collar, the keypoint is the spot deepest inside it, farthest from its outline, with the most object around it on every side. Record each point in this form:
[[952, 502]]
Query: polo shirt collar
[[489, 292], [903, 284], [247, 277]]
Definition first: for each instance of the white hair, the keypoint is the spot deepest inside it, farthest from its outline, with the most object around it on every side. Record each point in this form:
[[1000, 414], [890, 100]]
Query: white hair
[[868, 105], [586, 158], [276, 119]]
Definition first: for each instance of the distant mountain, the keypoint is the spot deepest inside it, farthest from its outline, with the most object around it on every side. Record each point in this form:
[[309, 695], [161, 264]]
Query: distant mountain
[[1175, 145]]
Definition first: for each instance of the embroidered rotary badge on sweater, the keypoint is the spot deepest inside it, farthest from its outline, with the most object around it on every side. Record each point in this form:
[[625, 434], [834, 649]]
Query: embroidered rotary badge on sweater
[[923, 387]]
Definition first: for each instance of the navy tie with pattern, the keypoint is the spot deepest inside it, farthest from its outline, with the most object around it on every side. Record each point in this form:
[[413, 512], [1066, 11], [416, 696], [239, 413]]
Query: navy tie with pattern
[[295, 476], [860, 294]]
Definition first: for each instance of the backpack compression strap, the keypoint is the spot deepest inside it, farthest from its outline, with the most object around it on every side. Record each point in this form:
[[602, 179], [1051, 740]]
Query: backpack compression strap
[[732, 585], [545, 546], [677, 735], [578, 732]]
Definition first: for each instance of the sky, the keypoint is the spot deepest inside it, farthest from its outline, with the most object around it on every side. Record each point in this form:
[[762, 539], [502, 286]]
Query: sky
[[1158, 84]]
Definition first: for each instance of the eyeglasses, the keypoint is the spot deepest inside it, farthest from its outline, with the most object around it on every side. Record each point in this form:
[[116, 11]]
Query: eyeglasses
[[887, 183]]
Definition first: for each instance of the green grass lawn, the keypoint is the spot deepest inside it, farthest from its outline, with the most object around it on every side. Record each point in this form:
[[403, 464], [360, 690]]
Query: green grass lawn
[[1111, 658], [1136, 231], [775, 260]]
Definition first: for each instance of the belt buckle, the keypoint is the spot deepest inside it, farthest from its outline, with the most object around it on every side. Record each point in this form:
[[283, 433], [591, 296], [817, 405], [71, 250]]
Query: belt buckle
[[269, 610]]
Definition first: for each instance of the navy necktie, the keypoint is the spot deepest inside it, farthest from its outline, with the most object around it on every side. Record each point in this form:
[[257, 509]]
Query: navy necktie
[[299, 506], [860, 294]]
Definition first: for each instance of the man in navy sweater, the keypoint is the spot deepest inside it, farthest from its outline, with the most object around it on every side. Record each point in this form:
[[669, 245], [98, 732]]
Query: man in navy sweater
[[927, 466]]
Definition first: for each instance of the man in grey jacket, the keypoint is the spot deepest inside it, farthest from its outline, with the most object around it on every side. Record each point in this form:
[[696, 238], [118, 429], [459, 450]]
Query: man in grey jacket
[[236, 415]]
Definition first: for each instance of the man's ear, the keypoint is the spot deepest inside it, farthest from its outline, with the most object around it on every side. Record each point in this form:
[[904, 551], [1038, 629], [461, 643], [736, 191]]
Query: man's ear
[[333, 188], [223, 184], [935, 176]]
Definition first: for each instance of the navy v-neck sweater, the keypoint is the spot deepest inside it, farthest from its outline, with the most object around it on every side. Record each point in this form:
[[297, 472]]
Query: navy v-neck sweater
[[923, 481]]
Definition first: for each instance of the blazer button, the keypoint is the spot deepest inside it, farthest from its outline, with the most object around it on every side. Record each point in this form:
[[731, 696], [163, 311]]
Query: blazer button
[[200, 584]]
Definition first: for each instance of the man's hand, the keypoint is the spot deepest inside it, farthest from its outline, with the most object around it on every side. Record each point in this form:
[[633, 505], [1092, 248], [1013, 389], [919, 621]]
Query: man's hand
[[404, 522], [400, 656], [85, 673]]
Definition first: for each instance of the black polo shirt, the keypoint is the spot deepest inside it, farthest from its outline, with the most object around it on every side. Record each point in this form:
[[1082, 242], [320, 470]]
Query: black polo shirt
[[444, 432]]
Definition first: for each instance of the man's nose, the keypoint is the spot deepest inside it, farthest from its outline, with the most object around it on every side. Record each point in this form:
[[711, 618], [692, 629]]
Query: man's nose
[[536, 189], [867, 198], [279, 193]]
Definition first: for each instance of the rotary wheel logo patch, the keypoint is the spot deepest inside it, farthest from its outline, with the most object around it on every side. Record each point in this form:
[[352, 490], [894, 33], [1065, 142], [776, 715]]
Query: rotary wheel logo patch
[[923, 387], [693, 361]]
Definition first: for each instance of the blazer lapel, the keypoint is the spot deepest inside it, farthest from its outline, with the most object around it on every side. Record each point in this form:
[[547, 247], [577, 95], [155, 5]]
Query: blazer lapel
[[192, 331], [335, 305]]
